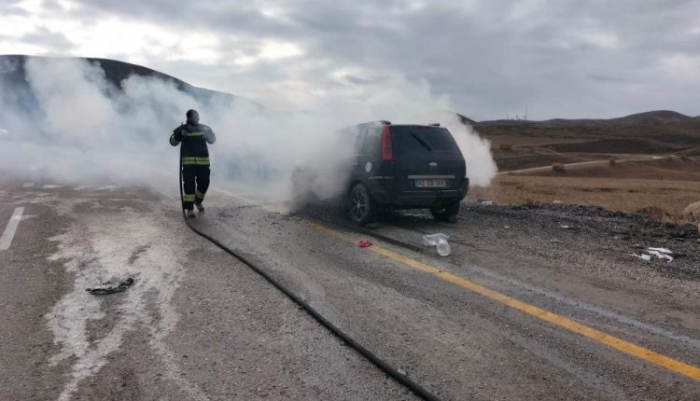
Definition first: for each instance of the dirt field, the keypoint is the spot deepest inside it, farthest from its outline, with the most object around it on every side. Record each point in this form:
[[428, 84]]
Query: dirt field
[[661, 181], [664, 200]]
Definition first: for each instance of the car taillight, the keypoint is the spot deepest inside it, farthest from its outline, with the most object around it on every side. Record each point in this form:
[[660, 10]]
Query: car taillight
[[387, 152]]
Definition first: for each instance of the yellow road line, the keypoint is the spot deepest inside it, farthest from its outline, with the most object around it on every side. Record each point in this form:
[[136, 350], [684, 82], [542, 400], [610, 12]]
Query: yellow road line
[[619, 344]]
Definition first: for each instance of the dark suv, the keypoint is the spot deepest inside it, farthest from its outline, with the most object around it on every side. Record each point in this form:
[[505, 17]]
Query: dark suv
[[405, 167]]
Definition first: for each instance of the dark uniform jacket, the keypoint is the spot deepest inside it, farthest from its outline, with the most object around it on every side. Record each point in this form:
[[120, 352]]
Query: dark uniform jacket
[[194, 139]]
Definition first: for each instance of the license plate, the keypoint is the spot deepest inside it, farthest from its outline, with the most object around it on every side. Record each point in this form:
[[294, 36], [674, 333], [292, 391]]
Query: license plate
[[431, 183]]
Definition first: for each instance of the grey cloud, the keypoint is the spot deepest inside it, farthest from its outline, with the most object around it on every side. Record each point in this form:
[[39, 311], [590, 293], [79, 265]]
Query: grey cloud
[[55, 41], [558, 58], [12, 8], [610, 78], [52, 5]]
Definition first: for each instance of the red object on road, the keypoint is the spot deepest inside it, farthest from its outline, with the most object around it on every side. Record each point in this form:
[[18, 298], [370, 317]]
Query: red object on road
[[365, 244]]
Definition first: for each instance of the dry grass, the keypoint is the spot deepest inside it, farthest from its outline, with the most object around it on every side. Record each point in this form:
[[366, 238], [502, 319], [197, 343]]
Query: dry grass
[[661, 188], [505, 146], [520, 141], [651, 170], [666, 198]]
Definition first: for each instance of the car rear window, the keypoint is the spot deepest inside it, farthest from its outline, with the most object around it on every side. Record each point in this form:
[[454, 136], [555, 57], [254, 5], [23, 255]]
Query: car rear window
[[418, 139]]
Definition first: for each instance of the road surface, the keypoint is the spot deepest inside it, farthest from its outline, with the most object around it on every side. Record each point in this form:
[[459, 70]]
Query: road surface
[[501, 318]]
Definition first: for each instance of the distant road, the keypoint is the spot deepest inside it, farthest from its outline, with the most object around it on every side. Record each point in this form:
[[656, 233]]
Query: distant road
[[583, 164]]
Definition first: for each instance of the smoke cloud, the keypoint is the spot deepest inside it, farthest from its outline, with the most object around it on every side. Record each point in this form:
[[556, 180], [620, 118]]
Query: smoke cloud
[[74, 126]]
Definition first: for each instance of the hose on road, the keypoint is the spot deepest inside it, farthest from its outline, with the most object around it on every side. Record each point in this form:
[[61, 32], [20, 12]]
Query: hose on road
[[379, 363]]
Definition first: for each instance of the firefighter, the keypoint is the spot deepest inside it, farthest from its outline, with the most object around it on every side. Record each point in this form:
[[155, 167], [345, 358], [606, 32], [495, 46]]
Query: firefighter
[[195, 160]]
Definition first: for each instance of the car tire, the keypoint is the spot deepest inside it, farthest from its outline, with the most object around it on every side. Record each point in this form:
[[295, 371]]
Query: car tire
[[447, 212], [361, 206]]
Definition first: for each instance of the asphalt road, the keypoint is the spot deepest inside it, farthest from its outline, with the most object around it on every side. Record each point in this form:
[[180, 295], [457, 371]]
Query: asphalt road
[[489, 322]]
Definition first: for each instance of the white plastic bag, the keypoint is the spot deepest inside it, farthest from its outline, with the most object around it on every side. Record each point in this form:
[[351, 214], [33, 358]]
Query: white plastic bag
[[439, 241]]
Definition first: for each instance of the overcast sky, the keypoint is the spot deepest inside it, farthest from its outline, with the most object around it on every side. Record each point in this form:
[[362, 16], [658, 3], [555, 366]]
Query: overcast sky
[[558, 58]]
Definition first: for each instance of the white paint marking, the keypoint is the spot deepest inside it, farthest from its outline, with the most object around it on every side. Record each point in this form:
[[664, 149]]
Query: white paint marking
[[235, 196], [11, 229], [28, 185]]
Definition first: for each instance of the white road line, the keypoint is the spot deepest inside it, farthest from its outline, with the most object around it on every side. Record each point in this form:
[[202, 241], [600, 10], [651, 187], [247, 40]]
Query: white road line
[[28, 185], [235, 196], [11, 229]]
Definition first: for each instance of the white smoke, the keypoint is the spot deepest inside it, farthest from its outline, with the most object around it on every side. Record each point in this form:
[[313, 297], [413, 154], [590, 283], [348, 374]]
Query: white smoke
[[87, 131]]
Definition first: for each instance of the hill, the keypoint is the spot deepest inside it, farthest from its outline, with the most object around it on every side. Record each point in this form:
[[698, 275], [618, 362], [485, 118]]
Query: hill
[[12, 71], [646, 118]]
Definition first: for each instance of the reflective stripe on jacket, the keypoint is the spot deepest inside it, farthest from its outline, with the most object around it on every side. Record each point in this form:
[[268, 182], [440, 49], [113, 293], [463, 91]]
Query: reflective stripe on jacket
[[193, 138]]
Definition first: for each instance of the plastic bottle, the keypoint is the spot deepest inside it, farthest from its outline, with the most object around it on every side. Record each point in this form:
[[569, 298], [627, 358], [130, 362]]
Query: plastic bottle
[[439, 241], [443, 248]]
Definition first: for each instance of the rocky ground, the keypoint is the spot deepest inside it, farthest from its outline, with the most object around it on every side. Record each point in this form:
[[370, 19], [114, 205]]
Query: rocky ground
[[552, 232], [615, 234]]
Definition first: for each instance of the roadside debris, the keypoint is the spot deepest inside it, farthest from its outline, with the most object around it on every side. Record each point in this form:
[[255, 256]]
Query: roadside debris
[[108, 288], [486, 202], [439, 241], [642, 256], [660, 253], [364, 244]]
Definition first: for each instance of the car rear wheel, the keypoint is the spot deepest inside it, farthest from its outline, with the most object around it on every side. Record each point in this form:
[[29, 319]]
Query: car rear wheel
[[446, 212], [361, 207]]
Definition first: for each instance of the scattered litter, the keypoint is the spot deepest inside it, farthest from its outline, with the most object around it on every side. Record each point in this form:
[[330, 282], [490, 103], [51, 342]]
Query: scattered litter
[[401, 371], [439, 241], [565, 227], [486, 202], [557, 202], [364, 244], [506, 227], [106, 289], [555, 241], [660, 253], [662, 250]]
